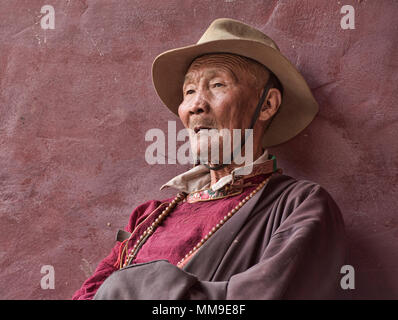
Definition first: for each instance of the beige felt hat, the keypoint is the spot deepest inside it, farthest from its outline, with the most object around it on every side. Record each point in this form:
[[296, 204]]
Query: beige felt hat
[[298, 106]]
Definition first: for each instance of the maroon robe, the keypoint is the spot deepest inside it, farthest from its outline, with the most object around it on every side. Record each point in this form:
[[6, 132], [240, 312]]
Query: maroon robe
[[287, 242]]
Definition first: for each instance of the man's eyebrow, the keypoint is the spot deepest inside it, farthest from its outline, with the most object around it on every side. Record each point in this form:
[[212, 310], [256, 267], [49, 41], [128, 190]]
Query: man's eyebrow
[[209, 73]]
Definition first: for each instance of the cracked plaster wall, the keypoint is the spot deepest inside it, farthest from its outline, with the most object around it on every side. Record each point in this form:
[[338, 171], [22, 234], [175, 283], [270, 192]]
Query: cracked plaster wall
[[76, 101]]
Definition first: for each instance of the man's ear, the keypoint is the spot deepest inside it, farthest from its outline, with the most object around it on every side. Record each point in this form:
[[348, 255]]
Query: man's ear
[[271, 104]]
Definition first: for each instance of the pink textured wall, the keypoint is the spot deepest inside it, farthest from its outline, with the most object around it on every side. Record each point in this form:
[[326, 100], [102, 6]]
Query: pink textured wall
[[76, 101]]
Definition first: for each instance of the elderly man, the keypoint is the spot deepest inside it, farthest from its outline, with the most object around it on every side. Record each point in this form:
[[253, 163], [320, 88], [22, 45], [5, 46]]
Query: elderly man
[[234, 231]]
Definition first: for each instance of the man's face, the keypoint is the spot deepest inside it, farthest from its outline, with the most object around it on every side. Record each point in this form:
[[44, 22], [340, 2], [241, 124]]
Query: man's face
[[218, 93]]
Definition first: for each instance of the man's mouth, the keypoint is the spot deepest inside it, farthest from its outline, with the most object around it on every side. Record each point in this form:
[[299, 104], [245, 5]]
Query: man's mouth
[[196, 129]]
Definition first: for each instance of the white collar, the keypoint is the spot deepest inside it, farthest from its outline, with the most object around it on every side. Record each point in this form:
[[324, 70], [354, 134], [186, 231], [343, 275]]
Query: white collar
[[198, 177]]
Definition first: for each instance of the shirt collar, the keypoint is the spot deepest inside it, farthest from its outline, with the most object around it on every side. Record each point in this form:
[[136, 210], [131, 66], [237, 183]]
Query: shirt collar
[[198, 177]]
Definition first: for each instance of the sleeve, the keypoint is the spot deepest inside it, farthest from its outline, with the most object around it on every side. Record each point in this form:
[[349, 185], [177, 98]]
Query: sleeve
[[302, 261], [106, 267], [103, 271], [303, 258]]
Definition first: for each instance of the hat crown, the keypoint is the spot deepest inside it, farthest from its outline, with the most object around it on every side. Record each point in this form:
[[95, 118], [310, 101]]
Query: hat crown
[[226, 29]]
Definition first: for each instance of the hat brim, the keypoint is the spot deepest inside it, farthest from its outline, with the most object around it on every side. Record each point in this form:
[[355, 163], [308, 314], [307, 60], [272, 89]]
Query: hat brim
[[298, 107]]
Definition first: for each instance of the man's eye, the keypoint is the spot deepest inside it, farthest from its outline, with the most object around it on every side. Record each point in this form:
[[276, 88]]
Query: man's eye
[[190, 91], [218, 84]]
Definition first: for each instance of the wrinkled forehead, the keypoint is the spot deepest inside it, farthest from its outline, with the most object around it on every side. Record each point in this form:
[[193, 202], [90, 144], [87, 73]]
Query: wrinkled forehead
[[209, 64], [241, 69]]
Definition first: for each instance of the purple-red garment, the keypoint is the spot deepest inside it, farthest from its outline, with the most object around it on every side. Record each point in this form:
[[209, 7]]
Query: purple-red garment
[[286, 242], [185, 226]]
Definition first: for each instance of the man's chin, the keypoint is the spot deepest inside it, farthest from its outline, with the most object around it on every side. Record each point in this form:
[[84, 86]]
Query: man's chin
[[209, 158], [208, 150]]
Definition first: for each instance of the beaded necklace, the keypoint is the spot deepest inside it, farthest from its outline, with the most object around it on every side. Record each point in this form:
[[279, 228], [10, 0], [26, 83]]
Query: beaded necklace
[[189, 255], [151, 229]]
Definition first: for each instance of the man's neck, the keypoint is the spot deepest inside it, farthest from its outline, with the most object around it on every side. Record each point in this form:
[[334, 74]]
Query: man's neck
[[216, 175]]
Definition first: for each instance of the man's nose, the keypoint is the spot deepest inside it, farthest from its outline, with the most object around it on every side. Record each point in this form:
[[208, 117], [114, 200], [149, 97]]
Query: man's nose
[[199, 104]]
